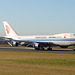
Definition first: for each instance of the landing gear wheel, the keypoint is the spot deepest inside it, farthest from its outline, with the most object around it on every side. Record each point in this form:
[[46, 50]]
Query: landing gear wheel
[[73, 49], [42, 48], [49, 49], [37, 48]]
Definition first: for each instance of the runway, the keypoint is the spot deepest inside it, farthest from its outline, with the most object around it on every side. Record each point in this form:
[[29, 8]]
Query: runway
[[32, 50]]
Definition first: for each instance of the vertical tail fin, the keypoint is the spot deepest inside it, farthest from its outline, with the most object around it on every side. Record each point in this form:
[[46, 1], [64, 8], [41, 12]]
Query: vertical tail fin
[[8, 29]]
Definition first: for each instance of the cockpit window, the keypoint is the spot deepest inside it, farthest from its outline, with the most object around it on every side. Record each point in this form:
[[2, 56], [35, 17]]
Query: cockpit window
[[74, 34]]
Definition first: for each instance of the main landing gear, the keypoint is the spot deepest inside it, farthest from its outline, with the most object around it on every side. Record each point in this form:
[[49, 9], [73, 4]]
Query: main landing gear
[[49, 48], [39, 48], [74, 48], [42, 48]]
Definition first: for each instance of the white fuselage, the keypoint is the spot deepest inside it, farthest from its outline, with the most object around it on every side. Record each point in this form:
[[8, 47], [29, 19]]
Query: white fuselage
[[58, 39], [62, 40]]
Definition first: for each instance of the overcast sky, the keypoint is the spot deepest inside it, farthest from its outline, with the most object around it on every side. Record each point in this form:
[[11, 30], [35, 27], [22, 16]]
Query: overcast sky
[[29, 17]]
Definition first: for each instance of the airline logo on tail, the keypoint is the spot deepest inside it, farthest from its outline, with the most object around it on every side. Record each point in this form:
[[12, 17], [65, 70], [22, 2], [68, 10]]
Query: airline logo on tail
[[7, 29]]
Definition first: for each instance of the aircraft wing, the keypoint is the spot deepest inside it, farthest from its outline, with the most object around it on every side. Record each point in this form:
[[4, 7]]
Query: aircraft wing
[[2, 38]]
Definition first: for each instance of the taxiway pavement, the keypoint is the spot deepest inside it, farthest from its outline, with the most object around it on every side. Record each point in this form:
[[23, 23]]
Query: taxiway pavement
[[32, 50]]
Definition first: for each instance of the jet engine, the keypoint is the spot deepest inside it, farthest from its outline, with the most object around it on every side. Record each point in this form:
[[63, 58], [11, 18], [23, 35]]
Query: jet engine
[[36, 45], [13, 43]]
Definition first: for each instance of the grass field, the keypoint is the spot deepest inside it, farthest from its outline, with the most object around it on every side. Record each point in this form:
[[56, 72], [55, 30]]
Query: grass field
[[36, 63]]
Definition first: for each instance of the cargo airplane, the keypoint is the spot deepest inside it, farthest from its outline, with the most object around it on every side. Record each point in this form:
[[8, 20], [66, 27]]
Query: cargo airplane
[[39, 41]]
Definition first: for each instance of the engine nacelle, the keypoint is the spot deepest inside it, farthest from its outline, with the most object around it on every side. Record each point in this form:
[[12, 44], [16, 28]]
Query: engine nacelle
[[36, 45], [13, 43]]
